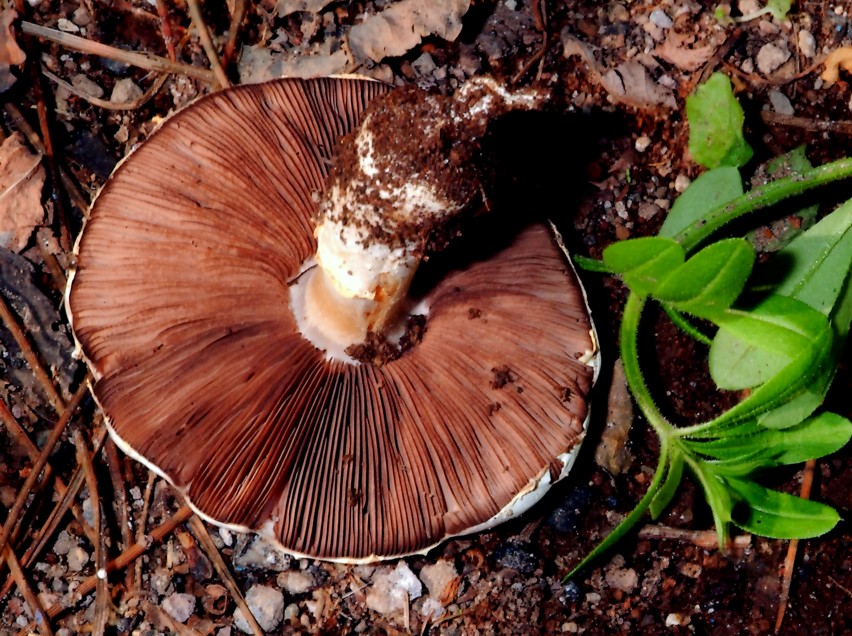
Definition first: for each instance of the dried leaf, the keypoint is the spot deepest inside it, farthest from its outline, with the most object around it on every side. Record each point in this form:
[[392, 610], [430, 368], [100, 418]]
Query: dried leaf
[[612, 453], [675, 50], [628, 83], [10, 53], [286, 7], [21, 182], [401, 26], [839, 59], [259, 64]]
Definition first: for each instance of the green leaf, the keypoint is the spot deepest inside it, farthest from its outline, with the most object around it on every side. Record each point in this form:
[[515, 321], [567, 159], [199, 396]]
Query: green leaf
[[709, 191], [716, 125], [769, 513], [815, 437], [817, 263], [779, 8], [710, 281], [669, 488], [718, 498], [644, 262], [753, 346]]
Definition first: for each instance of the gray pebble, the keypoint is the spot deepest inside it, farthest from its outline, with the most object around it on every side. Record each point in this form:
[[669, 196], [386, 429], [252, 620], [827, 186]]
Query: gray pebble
[[267, 606], [179, 606]]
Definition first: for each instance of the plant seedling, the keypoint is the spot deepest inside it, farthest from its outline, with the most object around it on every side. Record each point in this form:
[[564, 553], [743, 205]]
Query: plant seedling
[[778, 333]]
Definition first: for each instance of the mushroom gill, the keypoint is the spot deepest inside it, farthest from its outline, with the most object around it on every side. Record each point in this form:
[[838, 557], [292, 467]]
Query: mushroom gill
[[181, 304]]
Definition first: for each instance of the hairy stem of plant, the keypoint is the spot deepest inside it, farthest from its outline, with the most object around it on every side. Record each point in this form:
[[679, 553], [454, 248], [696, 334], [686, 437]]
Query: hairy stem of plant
[[762, 197]]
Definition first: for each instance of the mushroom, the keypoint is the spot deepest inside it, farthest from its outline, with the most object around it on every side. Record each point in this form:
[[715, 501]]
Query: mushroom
[[191, 302]]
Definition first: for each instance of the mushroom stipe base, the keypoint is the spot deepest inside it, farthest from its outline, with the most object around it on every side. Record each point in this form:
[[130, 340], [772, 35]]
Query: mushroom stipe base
[[180, 303]]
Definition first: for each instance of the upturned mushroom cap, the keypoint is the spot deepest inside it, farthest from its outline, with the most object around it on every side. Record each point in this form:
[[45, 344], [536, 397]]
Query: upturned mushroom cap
[[181, 305]]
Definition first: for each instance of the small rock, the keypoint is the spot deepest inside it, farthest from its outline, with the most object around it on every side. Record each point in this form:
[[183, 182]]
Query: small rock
[[648, 211], [424, 65], [81, 17], [624, 579], [780, 103], [77, 558], [807, 43], [64, 24], [291, 612], [266, 605], [432, 608], [437, 577], [295, 581], [125, 90], [393, 589], [659, 17], [682, 182], [692, 570], [514, 557], [565, 517], [64, 542], [161, 581], [255, 552], [770, 57], [88, 87], [677, 620], [180, 606], [642, 143]]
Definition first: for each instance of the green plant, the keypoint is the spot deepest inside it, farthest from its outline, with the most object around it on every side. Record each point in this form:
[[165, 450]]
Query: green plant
[[778, 333]]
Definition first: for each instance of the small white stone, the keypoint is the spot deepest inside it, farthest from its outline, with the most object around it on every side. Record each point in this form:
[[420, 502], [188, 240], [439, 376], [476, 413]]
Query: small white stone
[[266, 605], [676, 620], [291, 612], [659, 17], [125, 90], [642, 143], [424, 65], [682, 182], [432, 608], [807, 43], [64, 24], [226, 536], [393, 589], [77, 558], [88, 87], [295, 581], [770, 57], [624, 579], [437, 576], [179, 606], [780, 103]]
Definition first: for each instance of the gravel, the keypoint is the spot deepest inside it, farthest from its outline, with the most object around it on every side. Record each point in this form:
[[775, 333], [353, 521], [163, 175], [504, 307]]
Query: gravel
[[267, 606]]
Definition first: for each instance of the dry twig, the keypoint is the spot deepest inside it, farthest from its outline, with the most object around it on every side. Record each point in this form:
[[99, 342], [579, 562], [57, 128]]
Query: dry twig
[[105, 103], [203, 537], [806, 123], [42, 622], [166, 29], [707, 539], [237, 18], [120, 501], [102, 600], [30, 356], [35, 472], [792, 549], [141, 60], [207, 43]]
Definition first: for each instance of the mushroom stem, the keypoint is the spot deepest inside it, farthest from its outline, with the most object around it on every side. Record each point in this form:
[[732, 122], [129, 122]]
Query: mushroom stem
[[412, 166]]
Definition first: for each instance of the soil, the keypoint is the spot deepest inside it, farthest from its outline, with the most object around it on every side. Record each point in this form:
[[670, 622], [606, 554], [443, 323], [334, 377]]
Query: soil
[[604, 168]]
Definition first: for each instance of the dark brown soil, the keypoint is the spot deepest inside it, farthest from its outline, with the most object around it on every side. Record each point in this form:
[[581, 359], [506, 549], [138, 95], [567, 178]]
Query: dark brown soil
[[604, 172]]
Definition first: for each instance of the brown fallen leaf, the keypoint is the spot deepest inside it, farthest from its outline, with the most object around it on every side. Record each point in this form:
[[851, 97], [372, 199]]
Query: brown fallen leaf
[[401, 26], [838, 60], [675, 50], [21, 182], [10, 53], [628, 83], [612, 453]]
